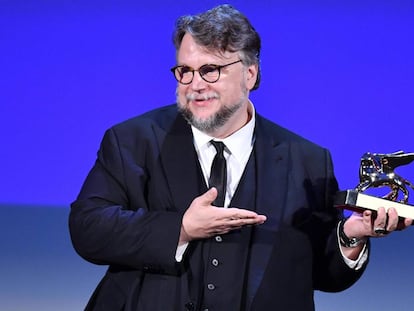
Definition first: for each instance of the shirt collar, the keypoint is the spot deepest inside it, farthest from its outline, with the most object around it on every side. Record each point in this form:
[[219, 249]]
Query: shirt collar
[[236, 142]]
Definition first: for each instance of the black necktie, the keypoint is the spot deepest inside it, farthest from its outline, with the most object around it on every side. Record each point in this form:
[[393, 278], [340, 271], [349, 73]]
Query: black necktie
[[218, 174]]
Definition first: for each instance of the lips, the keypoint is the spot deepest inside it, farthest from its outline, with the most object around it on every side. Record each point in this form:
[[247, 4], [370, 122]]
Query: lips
[[202, 101], [201, 97]]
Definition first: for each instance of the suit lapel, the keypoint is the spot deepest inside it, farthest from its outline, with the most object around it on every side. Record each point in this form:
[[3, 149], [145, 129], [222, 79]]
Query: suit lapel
[[182, 168], [272, 178], [272, 167]]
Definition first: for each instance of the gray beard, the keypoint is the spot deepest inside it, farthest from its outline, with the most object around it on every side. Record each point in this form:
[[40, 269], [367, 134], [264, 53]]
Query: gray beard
[[214, 122]]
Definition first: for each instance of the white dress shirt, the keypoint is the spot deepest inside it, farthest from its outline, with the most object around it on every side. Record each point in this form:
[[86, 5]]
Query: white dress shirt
[[238, 147]]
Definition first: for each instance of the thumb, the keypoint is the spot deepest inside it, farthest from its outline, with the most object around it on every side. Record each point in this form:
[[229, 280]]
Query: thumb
[[209, 196]]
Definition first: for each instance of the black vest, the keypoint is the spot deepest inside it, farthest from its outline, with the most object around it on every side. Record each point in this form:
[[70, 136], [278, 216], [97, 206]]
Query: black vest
[[218, 265]]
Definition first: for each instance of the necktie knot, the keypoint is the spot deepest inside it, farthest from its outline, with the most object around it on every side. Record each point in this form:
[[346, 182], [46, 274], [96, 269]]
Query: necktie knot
[[219, 145], [218, 174]]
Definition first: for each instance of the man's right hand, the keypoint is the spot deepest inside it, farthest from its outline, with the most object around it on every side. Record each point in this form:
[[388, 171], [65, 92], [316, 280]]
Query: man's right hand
[[203, 220]]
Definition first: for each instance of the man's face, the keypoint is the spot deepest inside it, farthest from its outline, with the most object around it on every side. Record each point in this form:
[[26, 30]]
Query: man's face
[[219, 108]]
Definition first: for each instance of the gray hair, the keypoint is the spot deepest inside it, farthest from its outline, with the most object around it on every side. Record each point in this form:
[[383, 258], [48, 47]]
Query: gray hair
[[223, 29]]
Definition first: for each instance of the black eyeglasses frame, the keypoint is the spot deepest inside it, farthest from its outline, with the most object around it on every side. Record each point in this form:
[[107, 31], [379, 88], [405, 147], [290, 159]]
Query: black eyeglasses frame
[[200, 71]]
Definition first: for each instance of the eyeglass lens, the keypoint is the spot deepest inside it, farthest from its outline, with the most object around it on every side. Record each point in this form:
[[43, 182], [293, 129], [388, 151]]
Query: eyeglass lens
[[209, 72], [185, 74]]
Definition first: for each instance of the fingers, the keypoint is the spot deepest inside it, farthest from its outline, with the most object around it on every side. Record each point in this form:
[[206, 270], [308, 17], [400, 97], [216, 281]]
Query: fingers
[[407, 222], [242, 221], [237, 215], [375, 223], [392, 220], [380, 222], [202, 219], [229, 219], [233, 219], [386, 221], [404, 223], [226, 225]]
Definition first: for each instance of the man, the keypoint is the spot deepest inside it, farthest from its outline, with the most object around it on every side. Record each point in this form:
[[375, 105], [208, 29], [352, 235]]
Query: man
[[263, 235]]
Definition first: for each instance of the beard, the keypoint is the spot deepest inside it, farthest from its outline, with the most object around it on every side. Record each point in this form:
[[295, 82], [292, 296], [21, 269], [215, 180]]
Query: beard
[[213, 122]]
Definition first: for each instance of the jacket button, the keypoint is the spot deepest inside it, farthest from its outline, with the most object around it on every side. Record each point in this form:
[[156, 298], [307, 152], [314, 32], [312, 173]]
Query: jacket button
[[218, 239], [215, 262], [211, 286]]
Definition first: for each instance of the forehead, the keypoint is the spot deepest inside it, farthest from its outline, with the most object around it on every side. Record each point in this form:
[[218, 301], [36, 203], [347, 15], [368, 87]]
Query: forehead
[[192, 54]]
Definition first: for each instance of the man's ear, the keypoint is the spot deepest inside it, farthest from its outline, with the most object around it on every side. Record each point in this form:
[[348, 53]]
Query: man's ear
[[252, 76]]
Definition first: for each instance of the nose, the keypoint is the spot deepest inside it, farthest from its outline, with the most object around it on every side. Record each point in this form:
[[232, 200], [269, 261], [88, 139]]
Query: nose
[[198, 83]]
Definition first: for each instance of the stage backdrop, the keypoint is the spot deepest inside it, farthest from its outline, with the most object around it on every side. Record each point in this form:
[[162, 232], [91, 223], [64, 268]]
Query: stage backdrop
[[340, 73]]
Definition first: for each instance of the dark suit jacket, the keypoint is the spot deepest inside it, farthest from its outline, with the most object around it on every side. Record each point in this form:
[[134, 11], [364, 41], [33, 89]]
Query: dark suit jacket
[[128, 216]]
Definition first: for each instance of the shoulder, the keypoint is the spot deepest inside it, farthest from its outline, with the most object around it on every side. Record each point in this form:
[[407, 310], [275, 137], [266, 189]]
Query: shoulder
[[162, 116], [147, 127], [300, 150], [160, 120], [278, 134]]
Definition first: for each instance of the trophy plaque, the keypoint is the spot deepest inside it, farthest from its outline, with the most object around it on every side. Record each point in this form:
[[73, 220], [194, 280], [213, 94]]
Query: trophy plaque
[[377, 170]]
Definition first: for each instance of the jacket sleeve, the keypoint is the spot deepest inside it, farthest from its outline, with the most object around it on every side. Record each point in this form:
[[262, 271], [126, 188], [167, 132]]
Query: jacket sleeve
[[111, 221], [331, 272]]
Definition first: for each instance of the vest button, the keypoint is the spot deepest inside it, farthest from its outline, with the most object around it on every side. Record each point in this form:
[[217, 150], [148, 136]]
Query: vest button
[[215, 262], [218, 239], [211, 286]]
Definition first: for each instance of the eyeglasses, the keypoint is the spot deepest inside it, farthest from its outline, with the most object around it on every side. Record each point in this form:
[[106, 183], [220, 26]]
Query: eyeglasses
[[209, 72]]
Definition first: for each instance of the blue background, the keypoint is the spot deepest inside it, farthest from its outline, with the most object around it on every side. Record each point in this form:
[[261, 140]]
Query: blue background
[[338, 73]]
